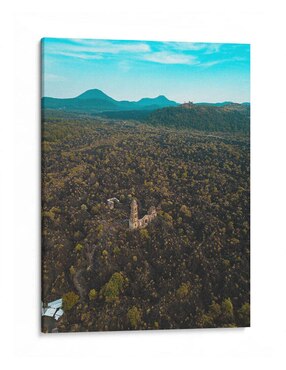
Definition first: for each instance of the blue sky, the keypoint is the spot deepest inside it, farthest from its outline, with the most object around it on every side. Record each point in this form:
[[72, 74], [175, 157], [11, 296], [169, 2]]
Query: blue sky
[[131, 70]]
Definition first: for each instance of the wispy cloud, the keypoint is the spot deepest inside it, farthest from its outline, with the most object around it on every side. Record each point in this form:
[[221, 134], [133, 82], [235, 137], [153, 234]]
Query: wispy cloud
[[99, 49], [212, 48], [80, 55], [192, 54], [94, 49], [165, 57], [206, 48], [221, 61], [210, 64], [111, 47], [52, 77]]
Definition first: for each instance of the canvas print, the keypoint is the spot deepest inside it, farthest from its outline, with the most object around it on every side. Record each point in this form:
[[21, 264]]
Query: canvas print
[[145, 185]]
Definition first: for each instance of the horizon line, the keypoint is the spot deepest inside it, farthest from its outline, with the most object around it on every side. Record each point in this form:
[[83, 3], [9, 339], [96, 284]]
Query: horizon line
[[148, 97]]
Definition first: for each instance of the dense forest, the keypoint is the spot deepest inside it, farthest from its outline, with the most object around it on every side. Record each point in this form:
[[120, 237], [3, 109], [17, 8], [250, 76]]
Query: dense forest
[[190, 267], [230, 117]]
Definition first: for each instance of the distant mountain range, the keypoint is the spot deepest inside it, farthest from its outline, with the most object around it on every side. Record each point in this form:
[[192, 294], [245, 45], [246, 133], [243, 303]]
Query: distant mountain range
[[222, 104], [96, 101], [93, 101]]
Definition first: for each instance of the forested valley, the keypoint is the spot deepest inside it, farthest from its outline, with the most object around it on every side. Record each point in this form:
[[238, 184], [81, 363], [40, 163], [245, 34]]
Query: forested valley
[[190, 268]]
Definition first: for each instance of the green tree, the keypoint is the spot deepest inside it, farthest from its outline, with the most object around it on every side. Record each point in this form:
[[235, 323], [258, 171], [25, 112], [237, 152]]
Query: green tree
[[70, 299], [214, 310], [205, 321], [227, 311], [243, 315], [113, 287], [134, 317]]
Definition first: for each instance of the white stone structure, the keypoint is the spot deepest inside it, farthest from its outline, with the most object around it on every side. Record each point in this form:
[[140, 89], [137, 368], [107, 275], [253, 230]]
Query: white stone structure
[[111, 202], [53, 309]]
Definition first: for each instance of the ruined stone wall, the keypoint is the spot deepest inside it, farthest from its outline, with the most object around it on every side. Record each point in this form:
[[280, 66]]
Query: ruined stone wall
[[135, 222]]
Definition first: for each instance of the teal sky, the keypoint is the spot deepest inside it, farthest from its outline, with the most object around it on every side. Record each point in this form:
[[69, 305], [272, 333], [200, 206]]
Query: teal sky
[[131, 70]]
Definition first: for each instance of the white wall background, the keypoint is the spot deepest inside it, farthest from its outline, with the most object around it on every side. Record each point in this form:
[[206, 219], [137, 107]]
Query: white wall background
[[22, 25]]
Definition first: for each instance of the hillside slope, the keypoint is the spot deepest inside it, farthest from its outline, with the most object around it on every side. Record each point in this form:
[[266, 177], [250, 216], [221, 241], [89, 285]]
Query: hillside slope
[[232, 117]]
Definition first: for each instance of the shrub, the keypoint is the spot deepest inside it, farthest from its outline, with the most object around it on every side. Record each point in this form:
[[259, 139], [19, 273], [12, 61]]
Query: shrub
[[99, 230], [92, 294], [144, 233], [168, 218], [183, 290], [104, 253], [116, 250], [227, 310], [83, 207], [185, 211], [78, 247]]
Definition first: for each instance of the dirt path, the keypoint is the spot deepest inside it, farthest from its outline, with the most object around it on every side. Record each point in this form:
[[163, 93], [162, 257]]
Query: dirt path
[[77, 278]]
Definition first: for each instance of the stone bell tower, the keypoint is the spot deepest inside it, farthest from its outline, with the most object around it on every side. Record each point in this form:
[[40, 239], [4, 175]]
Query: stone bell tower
[[133, 220]]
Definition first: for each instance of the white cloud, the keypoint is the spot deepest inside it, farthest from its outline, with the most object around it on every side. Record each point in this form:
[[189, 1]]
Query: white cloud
[[210, 64], [94, 49], [186, 45], [206, 48], [220, 61], [164, 53], [51, 77], [80, 55], [111, 47], [212, 48], [97, 49], [165, 57]]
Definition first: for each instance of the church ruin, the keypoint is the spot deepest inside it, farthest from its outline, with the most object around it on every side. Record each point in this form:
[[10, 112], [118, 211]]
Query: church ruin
[[135, 222]]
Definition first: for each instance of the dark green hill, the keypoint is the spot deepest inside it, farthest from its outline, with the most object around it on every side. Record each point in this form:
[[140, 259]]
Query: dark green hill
[[219, 104], [95, 94], [92, 101], [161, 101], [79, 104], [231, 117]]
